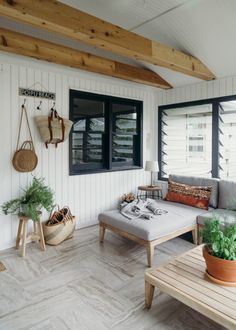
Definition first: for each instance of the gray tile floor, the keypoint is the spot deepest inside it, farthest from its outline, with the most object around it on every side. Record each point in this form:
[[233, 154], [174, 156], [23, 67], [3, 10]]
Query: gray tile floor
[[82, 284]]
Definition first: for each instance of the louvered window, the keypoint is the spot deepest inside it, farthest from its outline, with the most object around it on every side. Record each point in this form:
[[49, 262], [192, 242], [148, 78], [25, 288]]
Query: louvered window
[[227, 138], [198, 138], [186, 141]]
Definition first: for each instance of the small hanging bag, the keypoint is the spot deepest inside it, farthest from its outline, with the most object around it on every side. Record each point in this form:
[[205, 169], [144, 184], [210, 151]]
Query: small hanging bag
[[25, 158]]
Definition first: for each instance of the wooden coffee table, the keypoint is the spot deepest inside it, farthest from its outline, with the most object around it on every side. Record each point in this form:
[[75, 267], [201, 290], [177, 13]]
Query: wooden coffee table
[[184, 279]]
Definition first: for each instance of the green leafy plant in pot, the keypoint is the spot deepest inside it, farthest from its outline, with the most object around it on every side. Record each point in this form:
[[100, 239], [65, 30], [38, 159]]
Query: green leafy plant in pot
[[36, 197], [219, 250]]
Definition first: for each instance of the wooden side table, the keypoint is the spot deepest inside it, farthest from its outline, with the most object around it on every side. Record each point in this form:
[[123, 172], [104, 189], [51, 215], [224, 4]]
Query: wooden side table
[[149, 191], [24, 238]]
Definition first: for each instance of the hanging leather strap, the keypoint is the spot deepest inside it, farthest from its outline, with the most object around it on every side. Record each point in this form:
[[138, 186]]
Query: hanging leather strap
[[24, 111], [50, 119]]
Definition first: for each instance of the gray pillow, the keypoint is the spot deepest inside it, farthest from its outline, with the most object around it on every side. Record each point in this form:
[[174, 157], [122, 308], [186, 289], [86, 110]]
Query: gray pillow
[[227, 195]]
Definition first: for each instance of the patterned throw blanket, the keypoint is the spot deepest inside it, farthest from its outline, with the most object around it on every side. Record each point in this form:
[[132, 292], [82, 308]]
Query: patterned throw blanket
[[139, 208]]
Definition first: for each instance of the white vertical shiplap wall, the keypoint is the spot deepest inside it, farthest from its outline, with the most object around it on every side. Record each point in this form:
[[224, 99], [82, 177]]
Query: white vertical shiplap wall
[[203, 90], [87, 195]]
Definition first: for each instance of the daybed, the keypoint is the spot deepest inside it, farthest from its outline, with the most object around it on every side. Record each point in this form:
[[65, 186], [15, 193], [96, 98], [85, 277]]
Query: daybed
[[179, 219]]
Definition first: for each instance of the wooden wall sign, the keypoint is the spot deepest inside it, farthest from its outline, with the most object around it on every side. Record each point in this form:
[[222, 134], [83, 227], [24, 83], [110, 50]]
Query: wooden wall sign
[[34, 93]]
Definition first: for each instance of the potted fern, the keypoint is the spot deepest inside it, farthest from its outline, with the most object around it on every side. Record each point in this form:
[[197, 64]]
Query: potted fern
[[219, 251], [36, 197]]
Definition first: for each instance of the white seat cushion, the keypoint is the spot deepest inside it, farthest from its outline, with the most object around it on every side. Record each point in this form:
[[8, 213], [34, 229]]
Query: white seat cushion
[[178, 216]]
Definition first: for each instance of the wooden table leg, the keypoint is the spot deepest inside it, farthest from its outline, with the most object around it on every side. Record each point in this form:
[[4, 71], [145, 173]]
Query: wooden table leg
[[24, 238], [40, 232], [149, 291], [19, 233], [102, 230], [195, 235], [150, 253]]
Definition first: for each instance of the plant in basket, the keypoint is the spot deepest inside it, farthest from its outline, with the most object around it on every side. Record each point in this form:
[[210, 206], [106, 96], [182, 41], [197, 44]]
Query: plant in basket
[[128, 198], [219, 250], [36, 197]]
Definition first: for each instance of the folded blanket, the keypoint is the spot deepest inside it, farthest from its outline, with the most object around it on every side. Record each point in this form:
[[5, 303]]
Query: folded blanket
[[139, 208], [153, 206], [135, 209]]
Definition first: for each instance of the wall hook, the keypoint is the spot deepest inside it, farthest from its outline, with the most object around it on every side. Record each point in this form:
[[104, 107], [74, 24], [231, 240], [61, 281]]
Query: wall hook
[[23, 105], [39, 106], [53, 106]]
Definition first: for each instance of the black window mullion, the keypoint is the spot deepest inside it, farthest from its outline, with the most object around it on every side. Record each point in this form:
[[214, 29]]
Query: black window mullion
[[139, 151], [106, 136], [215, 139], [160, 143]]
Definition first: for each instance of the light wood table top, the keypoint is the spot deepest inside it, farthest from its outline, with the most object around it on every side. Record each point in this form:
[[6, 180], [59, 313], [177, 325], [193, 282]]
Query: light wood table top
[[149, 188], [184, 279]]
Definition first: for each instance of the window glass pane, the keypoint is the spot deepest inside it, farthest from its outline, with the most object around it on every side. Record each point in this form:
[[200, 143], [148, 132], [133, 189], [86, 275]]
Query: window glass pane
[[80, 125], [77, 140], [187, 141], [86, 156], [124, 144], [94, 140], [123, 140], [77, 156], [227, 137], [96, 124], [124, 118], [89, 148], [122, 155], [122, 148], [89, 114]]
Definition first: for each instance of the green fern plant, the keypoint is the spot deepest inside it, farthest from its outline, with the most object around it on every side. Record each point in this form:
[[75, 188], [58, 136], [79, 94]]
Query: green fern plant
[[220, 239], [36, 197]]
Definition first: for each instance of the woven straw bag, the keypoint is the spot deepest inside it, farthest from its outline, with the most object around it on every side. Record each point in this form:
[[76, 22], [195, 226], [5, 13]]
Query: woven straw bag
[[53, 129], [25, 158], [59, 227]]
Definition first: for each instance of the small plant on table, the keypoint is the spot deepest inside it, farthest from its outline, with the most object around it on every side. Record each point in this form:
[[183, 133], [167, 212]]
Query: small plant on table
[[219, 250]]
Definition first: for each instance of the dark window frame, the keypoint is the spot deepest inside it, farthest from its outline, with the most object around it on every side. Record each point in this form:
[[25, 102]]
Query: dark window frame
[[215, 129], [108, 165]]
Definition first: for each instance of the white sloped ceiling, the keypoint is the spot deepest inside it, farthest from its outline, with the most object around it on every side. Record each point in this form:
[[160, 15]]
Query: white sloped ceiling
[[202, 28]]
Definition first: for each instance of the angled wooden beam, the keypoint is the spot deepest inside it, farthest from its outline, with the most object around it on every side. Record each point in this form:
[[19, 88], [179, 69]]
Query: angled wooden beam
[[21, 44], [75, 24]]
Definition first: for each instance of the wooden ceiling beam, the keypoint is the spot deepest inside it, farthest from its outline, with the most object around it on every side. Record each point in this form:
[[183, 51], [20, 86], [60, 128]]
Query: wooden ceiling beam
[[21, 44], [75, 24]]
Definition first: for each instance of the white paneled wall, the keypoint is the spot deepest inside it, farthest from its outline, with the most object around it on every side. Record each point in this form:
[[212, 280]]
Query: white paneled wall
[[199, 91], [87, 195]]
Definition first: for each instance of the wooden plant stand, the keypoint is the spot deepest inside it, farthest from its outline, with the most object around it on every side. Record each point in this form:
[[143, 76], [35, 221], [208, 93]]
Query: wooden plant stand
[[24, 238]]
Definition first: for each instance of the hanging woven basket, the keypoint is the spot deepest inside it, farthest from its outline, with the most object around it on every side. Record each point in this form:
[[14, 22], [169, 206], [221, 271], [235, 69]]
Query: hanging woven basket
[[25, 159], [53, 129]]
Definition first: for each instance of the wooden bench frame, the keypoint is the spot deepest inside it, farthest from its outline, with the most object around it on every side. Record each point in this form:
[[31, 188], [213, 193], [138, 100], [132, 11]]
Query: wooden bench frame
[[149, 245]]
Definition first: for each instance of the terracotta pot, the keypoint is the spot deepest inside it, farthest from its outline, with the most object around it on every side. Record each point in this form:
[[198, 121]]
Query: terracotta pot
[[221, 269]]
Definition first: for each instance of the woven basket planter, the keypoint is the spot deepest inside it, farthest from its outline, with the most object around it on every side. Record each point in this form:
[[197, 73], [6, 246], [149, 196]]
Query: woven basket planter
[[56, 234]]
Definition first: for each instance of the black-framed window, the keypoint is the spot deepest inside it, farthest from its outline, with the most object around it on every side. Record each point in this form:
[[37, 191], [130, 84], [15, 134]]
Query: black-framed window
[[106, 134], [198, 138]]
